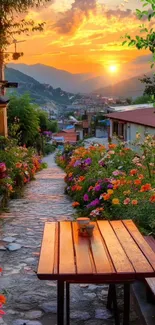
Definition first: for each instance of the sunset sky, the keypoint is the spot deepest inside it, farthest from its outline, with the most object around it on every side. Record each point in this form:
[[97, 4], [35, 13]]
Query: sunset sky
[[84, 36]]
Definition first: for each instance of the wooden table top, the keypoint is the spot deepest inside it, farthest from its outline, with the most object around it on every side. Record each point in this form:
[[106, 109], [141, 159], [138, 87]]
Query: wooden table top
[[116, 252]]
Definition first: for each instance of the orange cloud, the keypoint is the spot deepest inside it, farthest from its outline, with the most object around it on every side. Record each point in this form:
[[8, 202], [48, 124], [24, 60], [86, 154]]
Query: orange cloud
[[72, 19]]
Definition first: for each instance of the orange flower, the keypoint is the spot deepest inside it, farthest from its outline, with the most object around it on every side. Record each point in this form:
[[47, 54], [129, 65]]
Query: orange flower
[[137, 182], [127, 192], [112, 146], [141, 176], [106, 196], [75, 204], [134, 202], [78, 188], [81, 179], [115, 201], [133, 172], [152, 198], [129, 182], [70, 174], [110, 191], [2, 299], [146, 187], [18, 165], [90, 188]]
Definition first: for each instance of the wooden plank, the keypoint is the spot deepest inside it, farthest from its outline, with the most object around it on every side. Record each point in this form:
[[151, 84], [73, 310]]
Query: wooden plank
[[141, 242], [101, 257], [134, 253], [84, 261], [66, 250], [116, 252], [151, 241], [151, 281], [46, 261], [56, 250]]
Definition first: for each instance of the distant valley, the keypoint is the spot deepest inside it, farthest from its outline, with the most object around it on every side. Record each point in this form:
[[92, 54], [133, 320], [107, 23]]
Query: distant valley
[[75, 83], [43, 93], [40, 93], [127, 88]]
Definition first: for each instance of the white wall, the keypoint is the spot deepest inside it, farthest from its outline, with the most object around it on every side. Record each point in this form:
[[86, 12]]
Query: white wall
[[80, 133], [101, 132], [132, 130]]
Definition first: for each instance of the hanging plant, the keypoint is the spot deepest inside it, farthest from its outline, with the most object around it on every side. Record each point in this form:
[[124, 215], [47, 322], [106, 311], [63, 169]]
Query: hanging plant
[[16, 55]]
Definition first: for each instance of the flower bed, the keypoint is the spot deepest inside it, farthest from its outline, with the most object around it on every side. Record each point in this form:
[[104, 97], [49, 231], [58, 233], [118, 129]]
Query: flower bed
[[113, 183], [2, 300], [18, 166]]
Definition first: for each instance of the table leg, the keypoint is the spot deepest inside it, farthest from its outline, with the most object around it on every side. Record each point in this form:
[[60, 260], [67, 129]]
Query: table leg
[[112, 301], [60, 302], [126, 317], [109, 299], [67, 303]]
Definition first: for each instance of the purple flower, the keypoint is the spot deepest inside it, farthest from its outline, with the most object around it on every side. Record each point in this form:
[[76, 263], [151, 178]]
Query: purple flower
[[101, 163], [106, 180], [88, 161], [94, 203], [86, 197], [97, 188], [77, 163], [2, 167], [110, 186]]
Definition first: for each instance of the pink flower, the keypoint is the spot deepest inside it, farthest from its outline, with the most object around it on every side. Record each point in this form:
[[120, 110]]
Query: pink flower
[[116, 172], [126, 201], [86, 197]]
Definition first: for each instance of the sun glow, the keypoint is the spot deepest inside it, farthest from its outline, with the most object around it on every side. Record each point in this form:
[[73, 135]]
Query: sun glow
[[113, 68]]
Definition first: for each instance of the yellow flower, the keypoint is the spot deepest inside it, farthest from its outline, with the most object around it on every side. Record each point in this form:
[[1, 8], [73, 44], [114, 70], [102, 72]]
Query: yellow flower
[[138, 136], [110, 191], [115, 201]]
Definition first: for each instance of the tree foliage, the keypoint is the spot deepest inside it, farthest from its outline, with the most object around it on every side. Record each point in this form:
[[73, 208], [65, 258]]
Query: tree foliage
[[149, 85], [24, 114], [142, 100], [44, 122], [148, 40], [12, 20]]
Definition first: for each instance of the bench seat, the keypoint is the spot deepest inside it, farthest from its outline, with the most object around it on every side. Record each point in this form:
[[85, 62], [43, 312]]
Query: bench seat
[[151, 281], [143, 299]]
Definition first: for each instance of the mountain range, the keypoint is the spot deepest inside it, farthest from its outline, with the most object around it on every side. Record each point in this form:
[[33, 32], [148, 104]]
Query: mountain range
[[40, 93], [126, 88], [44, 93], [70, 82]]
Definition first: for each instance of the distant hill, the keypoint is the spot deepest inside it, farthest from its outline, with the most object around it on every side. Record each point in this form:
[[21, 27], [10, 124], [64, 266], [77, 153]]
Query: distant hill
[[40, 93], [70, 82], [126, 88]]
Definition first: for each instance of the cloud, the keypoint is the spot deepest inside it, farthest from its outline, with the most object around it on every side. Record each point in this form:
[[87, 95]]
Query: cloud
[[119, 14], [72, 19], [142, 59]]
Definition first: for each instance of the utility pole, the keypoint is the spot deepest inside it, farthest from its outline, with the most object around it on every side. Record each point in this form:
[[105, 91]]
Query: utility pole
[[1, 72]]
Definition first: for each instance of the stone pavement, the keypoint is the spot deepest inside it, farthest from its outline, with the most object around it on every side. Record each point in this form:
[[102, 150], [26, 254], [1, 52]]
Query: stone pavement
[[29, 300]]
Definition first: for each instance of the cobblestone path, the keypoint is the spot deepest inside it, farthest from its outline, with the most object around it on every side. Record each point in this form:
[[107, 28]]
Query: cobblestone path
[[29, 300]]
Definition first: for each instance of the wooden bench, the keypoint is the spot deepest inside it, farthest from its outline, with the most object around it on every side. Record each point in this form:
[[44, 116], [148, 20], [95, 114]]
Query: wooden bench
[[151, 282], [144, 294]]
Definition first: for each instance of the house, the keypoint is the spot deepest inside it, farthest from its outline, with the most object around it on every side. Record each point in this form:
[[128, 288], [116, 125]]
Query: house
[[69, 136], [126, 124]]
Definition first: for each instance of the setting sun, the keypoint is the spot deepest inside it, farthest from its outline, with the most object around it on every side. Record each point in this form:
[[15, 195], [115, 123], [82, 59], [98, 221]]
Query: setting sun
[[113, 68]]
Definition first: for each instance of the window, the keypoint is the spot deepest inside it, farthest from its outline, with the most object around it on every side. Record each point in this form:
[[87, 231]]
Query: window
[[115, 128], [118, 129]]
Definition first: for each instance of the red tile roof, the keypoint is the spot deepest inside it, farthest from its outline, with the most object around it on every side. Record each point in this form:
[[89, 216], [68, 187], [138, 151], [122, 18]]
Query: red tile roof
[[70, 137], [145, 116]]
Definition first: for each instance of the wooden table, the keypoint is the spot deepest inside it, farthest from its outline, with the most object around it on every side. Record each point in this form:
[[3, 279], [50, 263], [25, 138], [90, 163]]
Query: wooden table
[[116, 253]]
